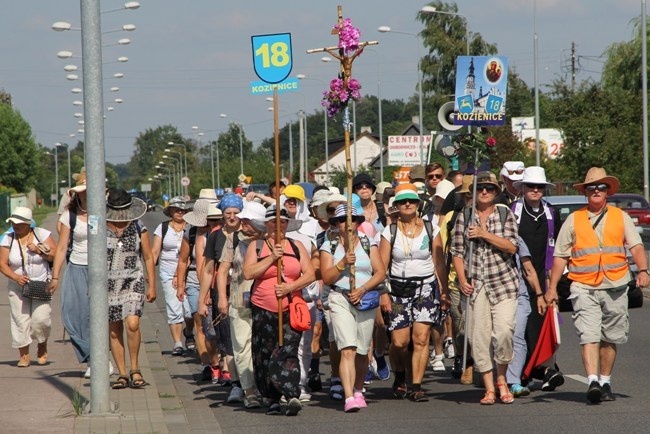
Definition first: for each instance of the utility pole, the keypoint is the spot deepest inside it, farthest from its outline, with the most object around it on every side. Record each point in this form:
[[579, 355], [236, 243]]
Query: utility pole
[[573, 67]]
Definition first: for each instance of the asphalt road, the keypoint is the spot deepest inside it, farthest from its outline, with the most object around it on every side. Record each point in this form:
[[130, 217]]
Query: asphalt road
[[452, 407]]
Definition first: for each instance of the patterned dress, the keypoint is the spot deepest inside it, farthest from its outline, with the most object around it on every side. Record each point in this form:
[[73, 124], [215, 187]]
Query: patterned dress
[[126, 289]]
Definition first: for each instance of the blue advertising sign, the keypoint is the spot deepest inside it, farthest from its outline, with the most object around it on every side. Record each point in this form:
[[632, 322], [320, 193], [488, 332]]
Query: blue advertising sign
[[481, 87], [272, 57]]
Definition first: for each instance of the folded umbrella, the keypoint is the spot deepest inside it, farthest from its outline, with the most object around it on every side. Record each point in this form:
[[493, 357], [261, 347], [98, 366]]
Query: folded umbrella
[[548, 342]]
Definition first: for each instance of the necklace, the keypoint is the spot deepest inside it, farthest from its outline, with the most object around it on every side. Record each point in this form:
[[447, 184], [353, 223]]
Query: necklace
[[535, 218], [410, 230], [118, 233]]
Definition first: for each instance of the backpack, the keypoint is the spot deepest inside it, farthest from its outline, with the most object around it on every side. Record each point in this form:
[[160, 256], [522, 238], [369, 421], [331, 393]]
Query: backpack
[[296, 252], [426, 206], [73, 223], [503, 215], [428, 226]]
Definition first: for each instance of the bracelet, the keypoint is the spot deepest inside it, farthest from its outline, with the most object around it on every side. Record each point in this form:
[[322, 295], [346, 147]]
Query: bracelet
[[341, 269], [540, 295], [55, 278]]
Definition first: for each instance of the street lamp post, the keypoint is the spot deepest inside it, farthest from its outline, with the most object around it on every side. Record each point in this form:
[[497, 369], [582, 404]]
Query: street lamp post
[[433, 10], [179, 186], [69, 172], [386, 29], [172, 171], [179, 154], [169, 182], [327, 160], [180, 168]]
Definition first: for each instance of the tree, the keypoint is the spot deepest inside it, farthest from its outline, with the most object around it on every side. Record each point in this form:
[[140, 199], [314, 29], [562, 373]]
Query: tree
[[622, 69], [445, 37], [21, 160]]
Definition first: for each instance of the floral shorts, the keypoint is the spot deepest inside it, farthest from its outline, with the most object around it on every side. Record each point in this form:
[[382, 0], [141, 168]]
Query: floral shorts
[[424, 307]]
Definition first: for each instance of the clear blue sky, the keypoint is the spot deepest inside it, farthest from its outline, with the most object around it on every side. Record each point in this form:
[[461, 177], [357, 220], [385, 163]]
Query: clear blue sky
[[190, 61]]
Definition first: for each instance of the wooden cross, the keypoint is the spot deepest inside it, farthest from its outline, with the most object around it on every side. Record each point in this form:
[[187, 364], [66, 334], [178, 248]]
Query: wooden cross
[[345, 74]]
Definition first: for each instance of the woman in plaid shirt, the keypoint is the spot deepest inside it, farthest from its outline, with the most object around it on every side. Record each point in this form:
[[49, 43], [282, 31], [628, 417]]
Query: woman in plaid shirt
[[490, 277]]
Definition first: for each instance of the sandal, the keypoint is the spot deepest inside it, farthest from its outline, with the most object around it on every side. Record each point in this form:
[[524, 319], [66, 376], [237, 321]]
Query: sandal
[[121, 383], [399, 389], [418, 396], [489, 398], [137, 383], [506, 398]]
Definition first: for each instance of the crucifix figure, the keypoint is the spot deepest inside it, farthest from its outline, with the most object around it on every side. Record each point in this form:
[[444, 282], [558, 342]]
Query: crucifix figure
[[348, 49]]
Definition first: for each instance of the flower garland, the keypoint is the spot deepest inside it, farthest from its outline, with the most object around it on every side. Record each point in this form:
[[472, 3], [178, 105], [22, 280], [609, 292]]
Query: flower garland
[[337, 97]]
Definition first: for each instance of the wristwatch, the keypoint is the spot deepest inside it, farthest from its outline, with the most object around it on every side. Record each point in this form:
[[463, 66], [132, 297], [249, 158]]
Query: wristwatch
[[644, 271]]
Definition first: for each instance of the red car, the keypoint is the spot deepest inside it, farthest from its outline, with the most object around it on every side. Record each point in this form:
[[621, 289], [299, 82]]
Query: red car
[[637, 207]]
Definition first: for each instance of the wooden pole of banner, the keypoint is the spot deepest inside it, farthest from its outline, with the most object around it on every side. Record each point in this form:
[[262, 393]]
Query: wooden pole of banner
[[345, 74], [278, 229]]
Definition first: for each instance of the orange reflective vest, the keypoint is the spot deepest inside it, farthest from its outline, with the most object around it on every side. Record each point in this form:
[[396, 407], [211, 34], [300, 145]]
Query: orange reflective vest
[[591, 258]]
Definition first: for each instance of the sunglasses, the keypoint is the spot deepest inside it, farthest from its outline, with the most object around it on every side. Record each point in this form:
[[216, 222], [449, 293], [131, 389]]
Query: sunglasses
[[435, 176], [331, 209], [513, 172], [360, 186], [487, 187], [599, 187], [405, 201], [291, 201], [535, 186], [182, 211]]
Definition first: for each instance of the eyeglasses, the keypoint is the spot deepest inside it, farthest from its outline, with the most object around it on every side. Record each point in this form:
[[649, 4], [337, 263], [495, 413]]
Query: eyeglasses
[[599, 187], [517, 171], [405, 201], [535, 186], [363, 185], [435, 176], [487, 187]]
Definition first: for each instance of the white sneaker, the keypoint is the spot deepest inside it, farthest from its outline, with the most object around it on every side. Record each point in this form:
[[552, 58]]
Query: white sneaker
[[437, 363], [448, 350], [305, 397], [111, 370], [236, 395]]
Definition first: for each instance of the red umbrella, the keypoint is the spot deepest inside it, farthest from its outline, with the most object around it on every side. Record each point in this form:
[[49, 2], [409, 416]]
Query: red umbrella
[[548, 342]]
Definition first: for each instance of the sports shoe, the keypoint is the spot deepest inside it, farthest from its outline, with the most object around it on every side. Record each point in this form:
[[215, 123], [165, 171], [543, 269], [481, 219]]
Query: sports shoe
[[314, 383], [448, 348], [216, 374], [594, 392], [293, 407], [351, 406], [360, 399], [236, 395], [336, 389], [178, 351], [607, 395], [304, 397], [111, 370], [437, 363], [251, 401], [518, 390], [552, 379], [224, 378], [206, 373], [383, 368], [190, 343], [369, 377], [274, 409], [457, 369]]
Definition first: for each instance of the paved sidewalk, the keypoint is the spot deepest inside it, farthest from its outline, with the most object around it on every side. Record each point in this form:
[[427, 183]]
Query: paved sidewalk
[[42, 398]]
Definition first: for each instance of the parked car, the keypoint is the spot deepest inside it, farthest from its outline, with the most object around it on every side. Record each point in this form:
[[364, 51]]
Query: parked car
[[637, 207]]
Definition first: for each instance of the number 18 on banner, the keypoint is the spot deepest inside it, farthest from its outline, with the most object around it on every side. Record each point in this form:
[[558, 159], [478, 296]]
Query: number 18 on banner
[[273, 61]]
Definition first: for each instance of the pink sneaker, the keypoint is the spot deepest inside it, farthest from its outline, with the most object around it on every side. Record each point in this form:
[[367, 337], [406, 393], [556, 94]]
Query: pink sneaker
[[351, 405], [360, 400]]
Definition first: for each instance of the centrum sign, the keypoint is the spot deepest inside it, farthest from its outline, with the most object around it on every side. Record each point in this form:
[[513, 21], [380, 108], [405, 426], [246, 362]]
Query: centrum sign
[[406, 150]]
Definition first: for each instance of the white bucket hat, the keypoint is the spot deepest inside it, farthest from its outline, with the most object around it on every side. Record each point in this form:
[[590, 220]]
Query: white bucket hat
[[513, 170], [199, 215], [533, 175], [20, 215]]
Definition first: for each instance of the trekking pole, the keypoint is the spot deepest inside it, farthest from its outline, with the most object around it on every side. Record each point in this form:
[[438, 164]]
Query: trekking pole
[[468, 272]]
